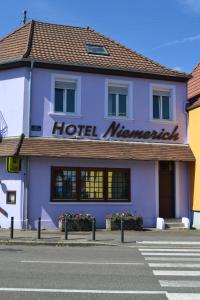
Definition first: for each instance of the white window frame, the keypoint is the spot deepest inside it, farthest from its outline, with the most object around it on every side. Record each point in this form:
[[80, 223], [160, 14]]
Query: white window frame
[[129, 99], [66, 78], [164, 88]]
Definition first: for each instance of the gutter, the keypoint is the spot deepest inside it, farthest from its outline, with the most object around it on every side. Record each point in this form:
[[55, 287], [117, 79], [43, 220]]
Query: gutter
[[192, 104], [93, 69], [30, 97]]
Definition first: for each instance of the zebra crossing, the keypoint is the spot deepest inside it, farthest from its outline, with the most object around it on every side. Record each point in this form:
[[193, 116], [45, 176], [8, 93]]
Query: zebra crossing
[[177, 268]]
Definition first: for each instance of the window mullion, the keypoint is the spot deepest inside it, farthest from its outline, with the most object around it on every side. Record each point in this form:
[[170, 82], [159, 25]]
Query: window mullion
[[161, 111], [127, 109], [105, 184], [170, 108], [65, 101], [117, 105], [78, 184], [75, 104]]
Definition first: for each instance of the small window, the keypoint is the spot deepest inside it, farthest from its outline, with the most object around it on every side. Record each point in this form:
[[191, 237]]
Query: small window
[[96, 49], [117, 101], [162, 105], [11, 197], [65, 97]]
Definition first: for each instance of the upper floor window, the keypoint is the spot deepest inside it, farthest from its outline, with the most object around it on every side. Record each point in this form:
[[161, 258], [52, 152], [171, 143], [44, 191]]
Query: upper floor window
[[65, 97], [163, 103], [117, 101]]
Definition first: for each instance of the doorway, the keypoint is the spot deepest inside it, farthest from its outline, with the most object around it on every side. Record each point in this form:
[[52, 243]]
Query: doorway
[[166, 189]]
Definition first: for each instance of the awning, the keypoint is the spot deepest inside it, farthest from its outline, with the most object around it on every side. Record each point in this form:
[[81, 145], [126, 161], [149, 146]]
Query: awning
[[65, 148]]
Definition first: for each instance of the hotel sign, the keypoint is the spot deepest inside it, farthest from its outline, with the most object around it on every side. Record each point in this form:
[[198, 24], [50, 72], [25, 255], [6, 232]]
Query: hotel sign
[[115, 130]]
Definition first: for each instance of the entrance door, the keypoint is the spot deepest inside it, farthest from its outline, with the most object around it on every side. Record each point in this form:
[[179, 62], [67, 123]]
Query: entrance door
[[166, 189]]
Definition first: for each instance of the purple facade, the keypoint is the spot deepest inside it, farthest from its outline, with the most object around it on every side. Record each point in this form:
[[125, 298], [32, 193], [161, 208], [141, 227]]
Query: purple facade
[[33, 183]]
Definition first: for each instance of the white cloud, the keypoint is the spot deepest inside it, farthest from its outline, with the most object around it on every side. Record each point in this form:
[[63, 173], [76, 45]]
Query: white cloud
[[180, 41], [191, 5]]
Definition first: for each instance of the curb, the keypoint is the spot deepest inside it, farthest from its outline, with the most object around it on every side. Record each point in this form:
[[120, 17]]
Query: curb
[[58, 244]]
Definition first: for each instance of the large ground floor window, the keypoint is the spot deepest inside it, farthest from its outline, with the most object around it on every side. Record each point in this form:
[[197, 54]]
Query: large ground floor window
[[87, 184]]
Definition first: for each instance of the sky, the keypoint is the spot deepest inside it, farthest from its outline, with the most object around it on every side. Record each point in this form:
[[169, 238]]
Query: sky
[[167, 31]]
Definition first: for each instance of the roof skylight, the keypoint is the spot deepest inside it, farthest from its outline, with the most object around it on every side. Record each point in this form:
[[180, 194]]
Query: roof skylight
[[96, 49]]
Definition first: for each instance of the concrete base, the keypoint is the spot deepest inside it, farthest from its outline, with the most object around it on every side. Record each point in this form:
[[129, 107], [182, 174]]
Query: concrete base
[[160, 223], [196, 219]]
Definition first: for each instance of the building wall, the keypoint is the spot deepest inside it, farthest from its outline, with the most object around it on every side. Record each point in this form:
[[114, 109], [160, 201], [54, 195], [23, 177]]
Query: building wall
[[143, 200], [144, 192], [12, 91], [11, 182], [93, 104], [194, 138], [182, 190], [14, 86]]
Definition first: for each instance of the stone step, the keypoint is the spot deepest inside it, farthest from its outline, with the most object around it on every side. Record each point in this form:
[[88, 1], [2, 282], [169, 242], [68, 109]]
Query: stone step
[[176, 228], [174, 225], [175, 220]]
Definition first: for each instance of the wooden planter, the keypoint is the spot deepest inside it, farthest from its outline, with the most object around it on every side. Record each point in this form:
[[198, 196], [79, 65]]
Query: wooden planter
[[129, 224], [75, 225], [111, 225]]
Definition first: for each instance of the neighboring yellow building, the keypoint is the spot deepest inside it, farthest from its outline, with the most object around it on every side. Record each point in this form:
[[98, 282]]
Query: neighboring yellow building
[[194, 141]]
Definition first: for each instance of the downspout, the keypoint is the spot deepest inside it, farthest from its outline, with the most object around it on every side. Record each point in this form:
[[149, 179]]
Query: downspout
[[27, 169], [188, 179], [30, 97]]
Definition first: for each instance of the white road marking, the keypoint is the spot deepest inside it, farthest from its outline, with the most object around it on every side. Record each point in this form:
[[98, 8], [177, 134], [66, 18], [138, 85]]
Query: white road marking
[[81, 291], [182, 296], [78, 262], [169, 250], [169, 242], [173, 265], [172, 258], [179, 283], [175, 273], [170, 254]]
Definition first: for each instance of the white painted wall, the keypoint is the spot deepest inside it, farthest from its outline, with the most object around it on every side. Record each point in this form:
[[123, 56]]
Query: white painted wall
[[12, 92], [11, 182]]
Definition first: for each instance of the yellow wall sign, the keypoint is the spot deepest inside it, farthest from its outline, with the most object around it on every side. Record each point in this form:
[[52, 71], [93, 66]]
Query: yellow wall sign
[[13, 164]]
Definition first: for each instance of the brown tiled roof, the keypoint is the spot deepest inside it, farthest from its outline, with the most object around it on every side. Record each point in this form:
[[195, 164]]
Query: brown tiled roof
[[193, 104], [8, 146], [51, 147], [61, 44], [194, 83], [14, 46]]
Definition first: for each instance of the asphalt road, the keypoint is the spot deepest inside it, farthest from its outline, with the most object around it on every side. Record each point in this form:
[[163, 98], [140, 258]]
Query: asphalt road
[[137, 272]]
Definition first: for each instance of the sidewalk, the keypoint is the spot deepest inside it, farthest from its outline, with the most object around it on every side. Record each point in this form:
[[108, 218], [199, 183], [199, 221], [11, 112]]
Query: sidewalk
[[103, 237]]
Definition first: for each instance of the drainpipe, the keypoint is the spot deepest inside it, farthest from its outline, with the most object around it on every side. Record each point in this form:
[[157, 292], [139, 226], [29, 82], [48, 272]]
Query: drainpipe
[[187, 141], [186, 120], [30, 97], [27, 162]]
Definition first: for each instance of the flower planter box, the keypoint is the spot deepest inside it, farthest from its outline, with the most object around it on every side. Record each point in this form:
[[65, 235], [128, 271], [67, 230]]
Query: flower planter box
[[130, 223], [77, 223], [111, 225]]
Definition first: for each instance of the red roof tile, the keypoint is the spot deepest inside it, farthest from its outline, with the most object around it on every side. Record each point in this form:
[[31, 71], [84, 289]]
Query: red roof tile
[[51, 147], [61, 44], [194, 83]]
